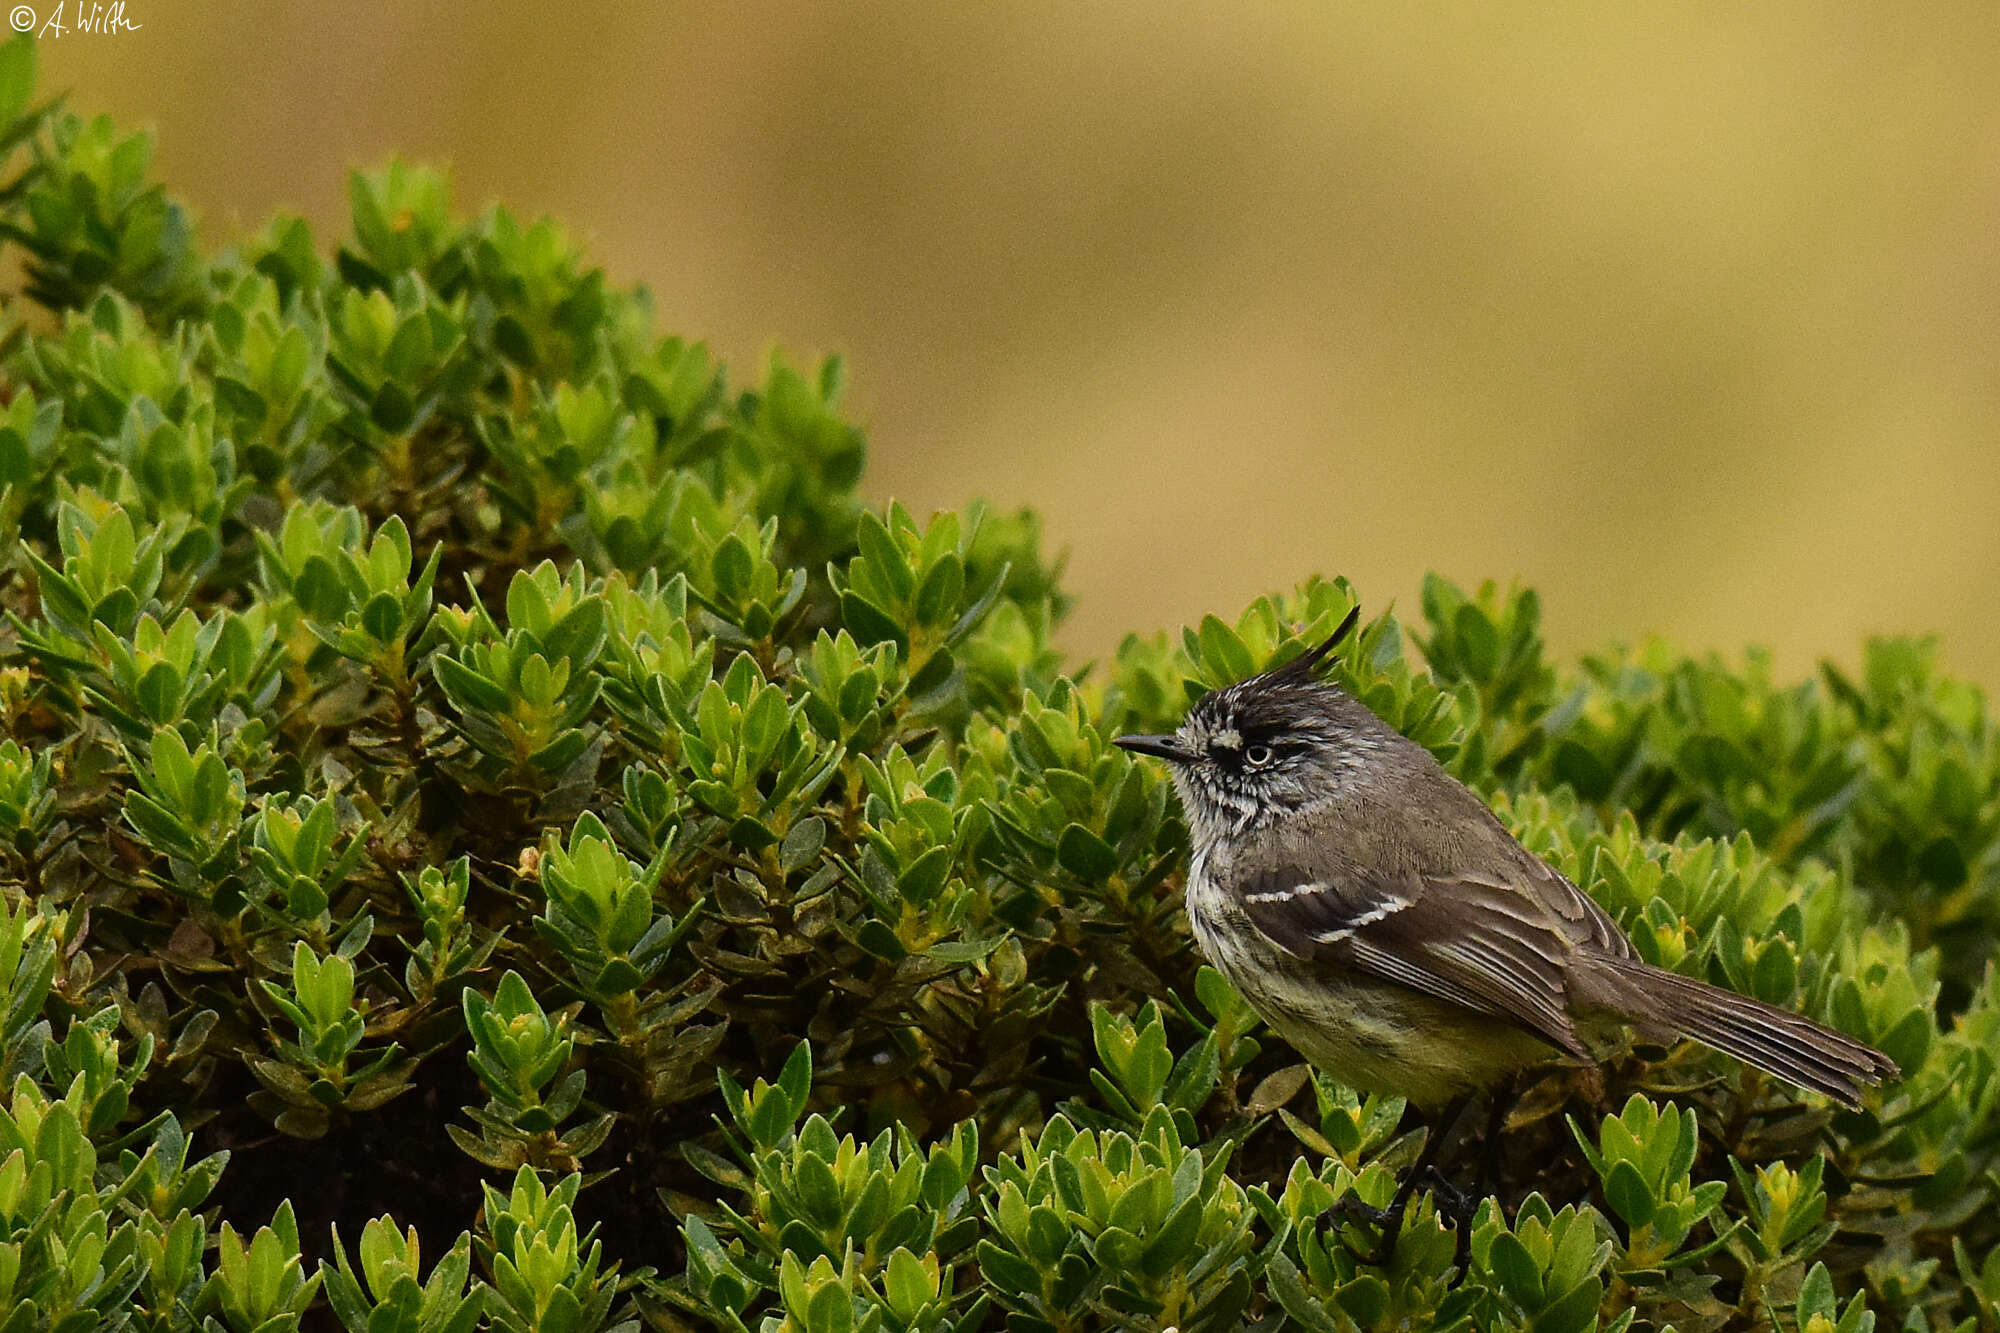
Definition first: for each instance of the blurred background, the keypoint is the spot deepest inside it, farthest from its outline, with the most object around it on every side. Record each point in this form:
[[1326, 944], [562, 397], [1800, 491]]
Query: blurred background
[[1687, 315]]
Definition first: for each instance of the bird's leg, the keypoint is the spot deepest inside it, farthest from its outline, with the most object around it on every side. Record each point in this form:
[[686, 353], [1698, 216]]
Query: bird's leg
[[1459, 1208], [1462, 1207], [1491, 1156], [1390, 1219]]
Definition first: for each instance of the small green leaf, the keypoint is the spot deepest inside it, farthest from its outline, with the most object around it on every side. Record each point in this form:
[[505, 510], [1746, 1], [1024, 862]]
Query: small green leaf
[[392, 408], [731, 567], [1816, 1295], [868, 623], [1086, 855], [1222, 651], [795, 1079], [801, 843], [880, 940], [908, 1285], [1517, 1270], [159, 693], [1575, 1311], [881, 551], [1366, 1300], [938, 597], [1629, 1194], [1478, 643], [925, 876]]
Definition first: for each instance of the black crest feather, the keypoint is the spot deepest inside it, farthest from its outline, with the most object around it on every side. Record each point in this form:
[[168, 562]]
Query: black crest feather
[[1306, 665]]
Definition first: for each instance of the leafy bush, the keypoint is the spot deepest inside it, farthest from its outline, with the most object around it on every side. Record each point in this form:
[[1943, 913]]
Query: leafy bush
[[496, 833]]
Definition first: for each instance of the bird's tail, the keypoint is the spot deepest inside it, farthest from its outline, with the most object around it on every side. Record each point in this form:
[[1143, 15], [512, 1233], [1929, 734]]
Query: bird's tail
[[1775, 1040]]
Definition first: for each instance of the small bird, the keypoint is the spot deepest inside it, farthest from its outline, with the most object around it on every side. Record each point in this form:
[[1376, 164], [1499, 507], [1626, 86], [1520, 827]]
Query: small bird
[[1377, 914]]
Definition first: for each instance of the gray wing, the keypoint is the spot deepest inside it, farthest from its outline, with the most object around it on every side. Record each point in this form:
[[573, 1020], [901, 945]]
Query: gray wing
[[1498, 947]]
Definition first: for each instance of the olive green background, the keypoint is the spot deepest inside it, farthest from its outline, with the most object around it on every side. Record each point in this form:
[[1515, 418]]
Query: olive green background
[[1686, 314]]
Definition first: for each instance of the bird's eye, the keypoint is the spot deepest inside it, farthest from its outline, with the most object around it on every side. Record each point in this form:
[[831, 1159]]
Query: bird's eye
[[1257, 755]]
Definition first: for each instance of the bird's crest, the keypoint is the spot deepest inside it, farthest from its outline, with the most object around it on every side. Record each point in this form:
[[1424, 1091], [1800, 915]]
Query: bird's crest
[[1305, 668]]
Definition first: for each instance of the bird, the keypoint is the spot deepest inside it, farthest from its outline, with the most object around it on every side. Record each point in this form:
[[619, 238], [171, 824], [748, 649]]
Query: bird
[[1379, 916]]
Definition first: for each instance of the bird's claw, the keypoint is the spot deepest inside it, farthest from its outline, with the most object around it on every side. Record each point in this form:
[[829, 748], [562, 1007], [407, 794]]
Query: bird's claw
[[1452, 1202], [1458, 1208], [1454, 1206], [1388, 1222], [1349, 1208]]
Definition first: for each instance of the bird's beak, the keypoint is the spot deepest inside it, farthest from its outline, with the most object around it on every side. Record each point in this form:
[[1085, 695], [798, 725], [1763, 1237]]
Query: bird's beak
[[1163, 747]]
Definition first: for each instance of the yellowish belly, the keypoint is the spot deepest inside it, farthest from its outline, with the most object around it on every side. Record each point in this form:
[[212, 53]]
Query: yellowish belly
[[1372, 1035]]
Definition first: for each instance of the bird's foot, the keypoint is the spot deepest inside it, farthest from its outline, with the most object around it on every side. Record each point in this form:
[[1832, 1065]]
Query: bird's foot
[[1388, 1222], [1457, 1208], [1454, 1206], [1452, 1202]]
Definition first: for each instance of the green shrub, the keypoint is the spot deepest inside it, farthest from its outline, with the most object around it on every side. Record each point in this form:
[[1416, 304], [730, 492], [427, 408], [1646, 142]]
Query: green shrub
[[475, 782]]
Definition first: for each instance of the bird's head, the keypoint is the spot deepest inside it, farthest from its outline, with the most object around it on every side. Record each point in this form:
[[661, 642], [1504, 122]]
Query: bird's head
[[1271, 743]]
